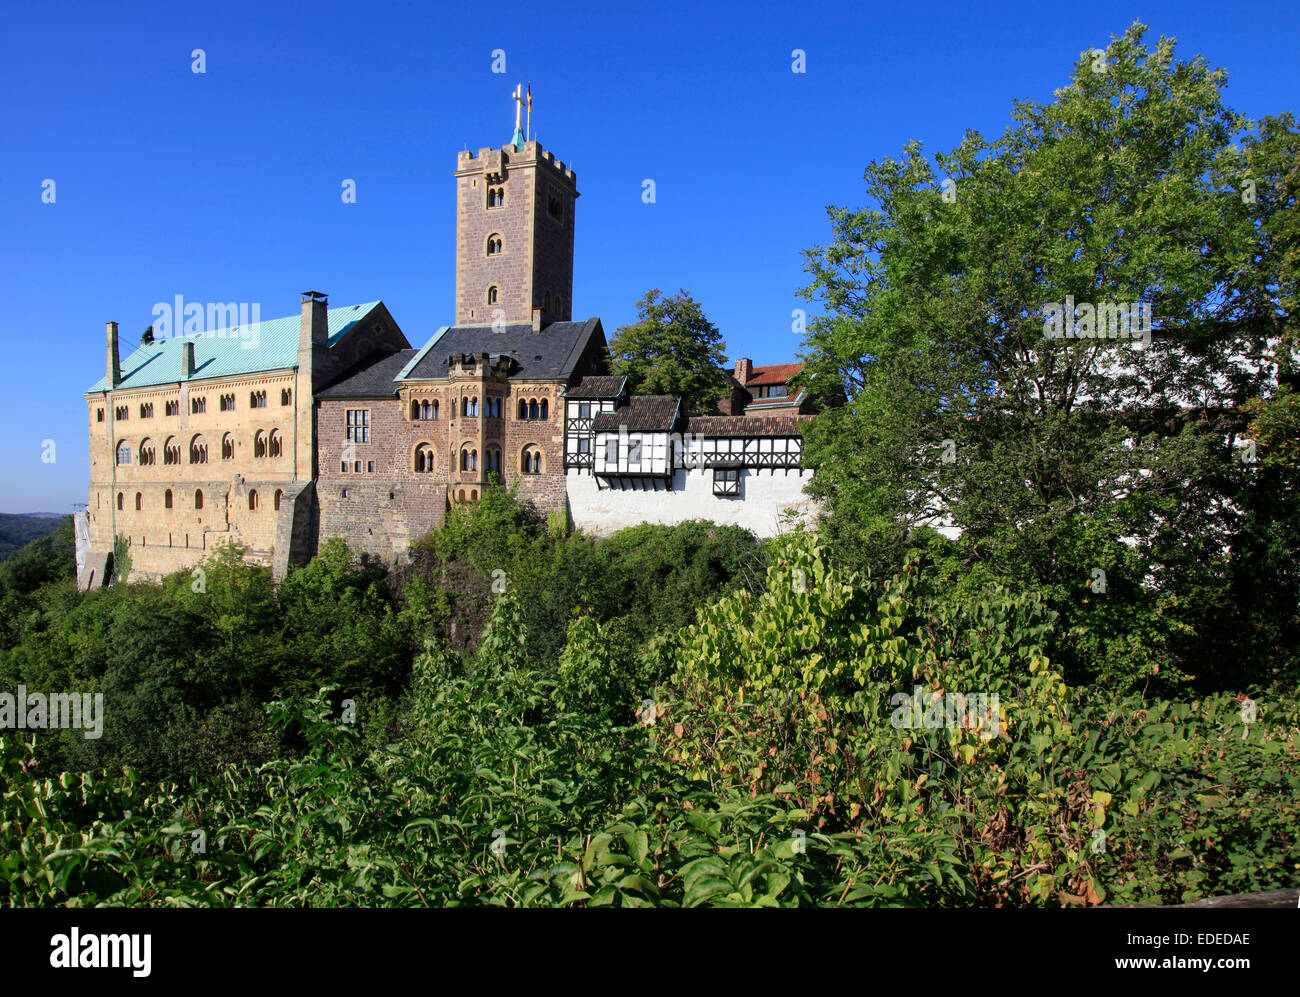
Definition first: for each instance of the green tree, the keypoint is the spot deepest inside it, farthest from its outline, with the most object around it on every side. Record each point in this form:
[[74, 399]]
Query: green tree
[[673, 349], [1048, 453]]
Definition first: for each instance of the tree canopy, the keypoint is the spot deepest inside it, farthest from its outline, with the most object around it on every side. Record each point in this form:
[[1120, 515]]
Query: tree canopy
[[673, 349], [1058, 458]]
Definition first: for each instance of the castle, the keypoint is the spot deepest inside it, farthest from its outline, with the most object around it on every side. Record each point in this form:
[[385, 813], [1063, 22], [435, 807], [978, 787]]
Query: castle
[[281, 434]]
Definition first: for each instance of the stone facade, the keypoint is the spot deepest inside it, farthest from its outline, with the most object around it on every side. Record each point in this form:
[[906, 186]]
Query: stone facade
[[527, 200]]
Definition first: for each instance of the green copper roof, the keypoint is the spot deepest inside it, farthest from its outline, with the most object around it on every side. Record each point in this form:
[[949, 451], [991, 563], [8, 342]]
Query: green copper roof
[[518, 140], [269, 345]]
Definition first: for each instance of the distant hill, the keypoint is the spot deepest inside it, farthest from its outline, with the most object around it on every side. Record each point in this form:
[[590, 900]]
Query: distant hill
[[18, 529]]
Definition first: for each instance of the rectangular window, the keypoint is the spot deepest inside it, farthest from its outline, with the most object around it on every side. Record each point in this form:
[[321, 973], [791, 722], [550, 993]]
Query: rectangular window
[[356, 466], [611, 452], [359, 426], [370, 467], [726, 481], [584, 444], [634, 452], [584, 410], [343, 466]]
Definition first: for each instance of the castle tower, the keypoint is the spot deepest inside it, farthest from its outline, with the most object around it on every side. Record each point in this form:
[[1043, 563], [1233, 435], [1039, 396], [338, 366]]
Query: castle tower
[[514, 235]]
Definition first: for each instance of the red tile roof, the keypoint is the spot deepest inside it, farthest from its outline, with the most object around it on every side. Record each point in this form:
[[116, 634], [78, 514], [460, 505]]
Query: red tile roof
[[742, 425], [777, 373]]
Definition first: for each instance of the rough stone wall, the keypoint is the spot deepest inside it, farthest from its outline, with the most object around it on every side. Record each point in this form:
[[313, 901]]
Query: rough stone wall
[[392, 506], [164, 540], [537, 250], [217, 474], [545, 491]]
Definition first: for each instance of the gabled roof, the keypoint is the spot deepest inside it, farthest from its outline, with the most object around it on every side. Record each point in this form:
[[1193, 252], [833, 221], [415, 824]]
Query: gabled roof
[[373, 377], [642, 413], [743, 425], [777, 373], [270, 345], [550, 354], [598, 386]]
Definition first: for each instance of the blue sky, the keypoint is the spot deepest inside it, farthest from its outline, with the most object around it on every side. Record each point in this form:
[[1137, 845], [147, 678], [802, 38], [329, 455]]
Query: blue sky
[[226, 186]]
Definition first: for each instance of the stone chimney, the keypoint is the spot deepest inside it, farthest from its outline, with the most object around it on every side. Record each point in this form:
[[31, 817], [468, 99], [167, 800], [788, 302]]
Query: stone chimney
[[744, 370], [187, 359], [114, 372], [537, 320], [314, 327]]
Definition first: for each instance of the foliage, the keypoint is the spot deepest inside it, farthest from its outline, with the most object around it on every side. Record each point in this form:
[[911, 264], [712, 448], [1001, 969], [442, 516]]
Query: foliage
[[673, 349], [18, 531], [1056, 458]]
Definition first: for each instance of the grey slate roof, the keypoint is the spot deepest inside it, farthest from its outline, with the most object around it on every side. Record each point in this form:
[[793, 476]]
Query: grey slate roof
[[642, 413], [597, 386], [550, 354], [372, 378]]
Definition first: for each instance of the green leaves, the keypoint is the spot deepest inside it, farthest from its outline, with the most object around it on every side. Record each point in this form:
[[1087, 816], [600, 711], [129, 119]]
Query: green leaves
[[672, 350]]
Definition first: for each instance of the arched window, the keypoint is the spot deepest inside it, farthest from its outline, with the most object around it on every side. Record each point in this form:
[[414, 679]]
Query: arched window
[[494, 244], [198, 498], [167, 499], [493, 459], [468, 459], [259, 444], [423, 458], [559, 306], [531, 461], [523, 409], [252, 500], [275, 445], [461, 495], [546, 301], [227, 447], [147, 456], [119, 501], [139, 501], [198, 450], [279, 494], [544, 408], [532, 408], [171, 451], [286, 396], [496, 197], [123, 453], [493, 295]]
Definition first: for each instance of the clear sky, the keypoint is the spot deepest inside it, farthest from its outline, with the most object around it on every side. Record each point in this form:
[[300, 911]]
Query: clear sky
[[226, 186]]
